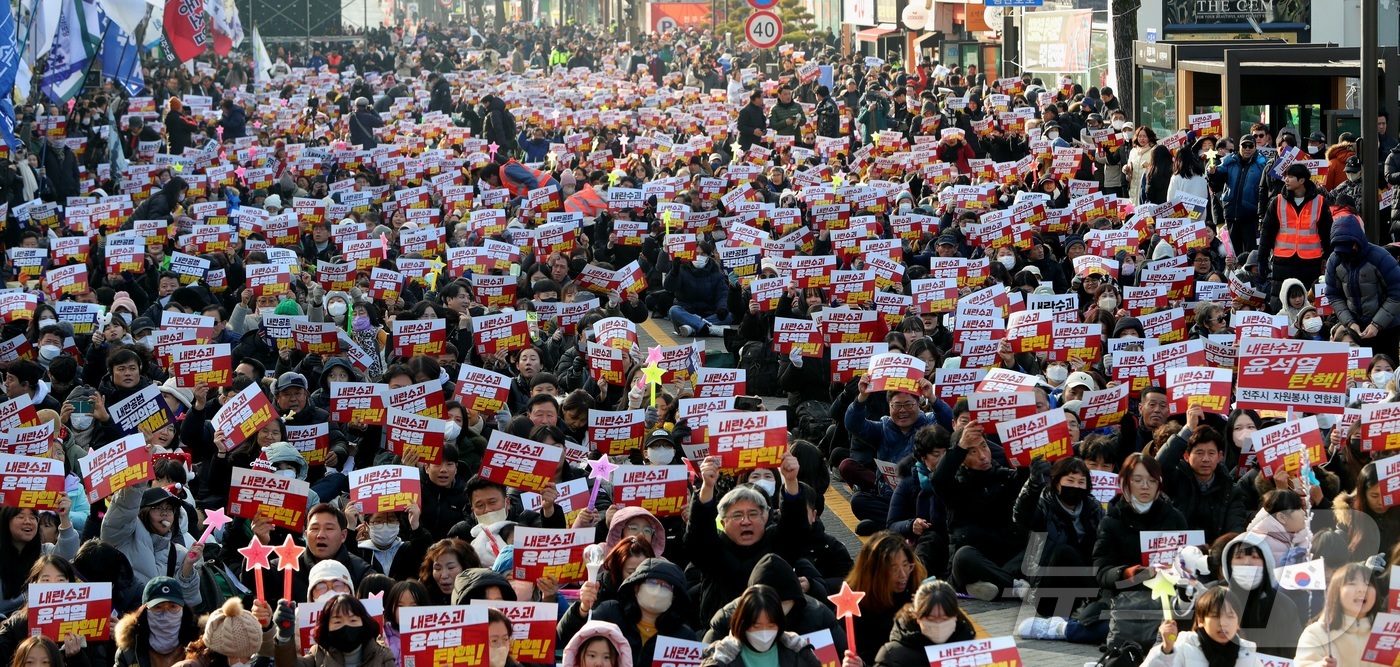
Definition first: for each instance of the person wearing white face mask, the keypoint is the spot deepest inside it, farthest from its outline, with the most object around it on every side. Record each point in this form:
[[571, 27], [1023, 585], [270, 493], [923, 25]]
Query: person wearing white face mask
[[1140, 506], [701, 293], [651, 602], [933, 618], [394, 543], [1267, 617], [758, 636]]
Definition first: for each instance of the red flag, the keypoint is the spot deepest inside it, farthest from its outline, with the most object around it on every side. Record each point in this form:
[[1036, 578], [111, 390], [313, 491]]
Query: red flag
[[222, 43], [184, 27]]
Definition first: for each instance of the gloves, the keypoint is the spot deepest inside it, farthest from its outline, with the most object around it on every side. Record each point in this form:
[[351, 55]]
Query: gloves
[[652, 416], [285, 618], [1040, 472], [796, 357]]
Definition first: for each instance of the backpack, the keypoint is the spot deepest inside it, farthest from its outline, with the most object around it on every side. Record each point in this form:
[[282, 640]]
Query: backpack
[[813, 418], [760, 366]]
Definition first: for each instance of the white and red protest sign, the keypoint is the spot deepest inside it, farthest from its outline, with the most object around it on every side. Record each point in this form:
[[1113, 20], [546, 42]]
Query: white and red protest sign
[[27, 440], [1194, 385], [1000, 406], [800, 335], [109, 469], [31, 482], [720, 382], [501, 332], [852, 360], [661, 490], [1103, 485], [419, 337], [1159, 547], [444, 636], [1290, 446], [59, 610], [386, 488], [1383, 644], [696, 412], [357, 402], [269, 279], [210, 364], [1163, 358], [1029, 331], [1306, 374], [1380, 427], [245, 413], [257, 494], [605, 363], [550, 552], [1043, 435], [533, 629], [482, 390], [748, 440], [1388, 477], [1103, 408], [617, 433], [993, 651], [672, 652], [893, 371], [71, 279], [843, 325], [321, 338], [519, 463], [312, 441], [406, 432], [309, 614], [424, 399], [618, 332], [824, 646]]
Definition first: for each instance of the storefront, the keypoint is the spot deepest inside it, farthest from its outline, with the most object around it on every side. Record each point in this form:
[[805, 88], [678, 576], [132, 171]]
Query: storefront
[[1301, 86]]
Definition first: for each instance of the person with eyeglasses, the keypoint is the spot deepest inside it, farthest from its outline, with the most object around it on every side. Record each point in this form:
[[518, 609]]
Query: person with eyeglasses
[[725, 557], [1140, 507], [891, 438], [1237, 179]]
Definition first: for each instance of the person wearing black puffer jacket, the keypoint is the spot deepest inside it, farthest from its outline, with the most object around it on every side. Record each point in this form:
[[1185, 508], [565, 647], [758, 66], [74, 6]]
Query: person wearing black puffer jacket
[[701, 293], [979, 492], [1198, 479], [1140, 506], [806, 614], [933, 618], [1056, 508], [653, 599]]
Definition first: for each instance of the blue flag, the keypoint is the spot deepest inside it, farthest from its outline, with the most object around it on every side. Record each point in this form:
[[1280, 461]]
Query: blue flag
[[121, 57], [9, 66]]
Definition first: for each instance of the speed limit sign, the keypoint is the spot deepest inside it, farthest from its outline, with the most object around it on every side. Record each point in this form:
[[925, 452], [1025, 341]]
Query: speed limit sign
[[763, 30], [762, 4]]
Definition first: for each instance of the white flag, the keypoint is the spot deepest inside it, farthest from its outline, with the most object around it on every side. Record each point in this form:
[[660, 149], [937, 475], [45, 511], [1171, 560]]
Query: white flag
[[38, 22], [1309, 576], [126, 13], [262, 63]]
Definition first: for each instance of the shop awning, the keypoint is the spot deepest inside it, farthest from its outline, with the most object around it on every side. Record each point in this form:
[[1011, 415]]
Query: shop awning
[[874, 34]]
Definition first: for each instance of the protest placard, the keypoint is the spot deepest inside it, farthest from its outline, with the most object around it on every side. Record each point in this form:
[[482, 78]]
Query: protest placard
[[896, 372], [107, 470], [519, 463], [661, 490], [142, 412], [243, 415], [386, 488], [616, 433], [1043, 435], [533, 629], [1194, 385], [59, 610], [747, 440], [357, 402], [31, 482], [1159, 547], [1307, 374], [257, 494], [551, 552], [405, 432], [444, 636], [481, 390]]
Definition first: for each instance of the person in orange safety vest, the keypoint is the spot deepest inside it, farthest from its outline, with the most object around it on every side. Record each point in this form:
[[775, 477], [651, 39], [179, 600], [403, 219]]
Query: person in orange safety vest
[[1296, 232]]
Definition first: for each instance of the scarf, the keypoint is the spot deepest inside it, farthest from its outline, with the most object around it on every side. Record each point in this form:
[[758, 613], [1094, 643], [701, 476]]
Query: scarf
[[1217, 654], [925, 476], [165, 629]]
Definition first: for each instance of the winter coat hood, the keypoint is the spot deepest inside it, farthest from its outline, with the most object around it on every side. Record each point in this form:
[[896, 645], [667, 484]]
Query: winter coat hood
[[619, 526], [656, 568], [338, 362], [603, 629], [1347, 229], [471, 584], [283, 452], [1255, 540], [773, 571]]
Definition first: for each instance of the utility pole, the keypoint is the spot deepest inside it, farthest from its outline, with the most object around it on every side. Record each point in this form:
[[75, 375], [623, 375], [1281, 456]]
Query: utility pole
[[1371, 146]]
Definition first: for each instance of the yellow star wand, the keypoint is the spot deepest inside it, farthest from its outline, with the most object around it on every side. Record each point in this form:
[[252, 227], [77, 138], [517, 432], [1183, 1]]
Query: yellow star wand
[[653, 372]]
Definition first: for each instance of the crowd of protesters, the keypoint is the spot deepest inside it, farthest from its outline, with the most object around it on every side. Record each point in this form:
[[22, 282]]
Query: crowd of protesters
[[986, 177]]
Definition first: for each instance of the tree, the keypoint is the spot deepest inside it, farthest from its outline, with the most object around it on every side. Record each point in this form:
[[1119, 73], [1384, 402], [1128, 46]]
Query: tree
[[798, 23]]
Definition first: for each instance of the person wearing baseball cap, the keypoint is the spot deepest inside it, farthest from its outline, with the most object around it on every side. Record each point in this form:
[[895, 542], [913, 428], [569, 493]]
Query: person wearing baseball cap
[[292, 395], [157, 632]]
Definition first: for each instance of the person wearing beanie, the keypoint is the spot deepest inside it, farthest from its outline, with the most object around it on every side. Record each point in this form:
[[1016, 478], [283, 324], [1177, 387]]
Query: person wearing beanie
[[273, 204], [329, 578], [123, 301], [232, 634]]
